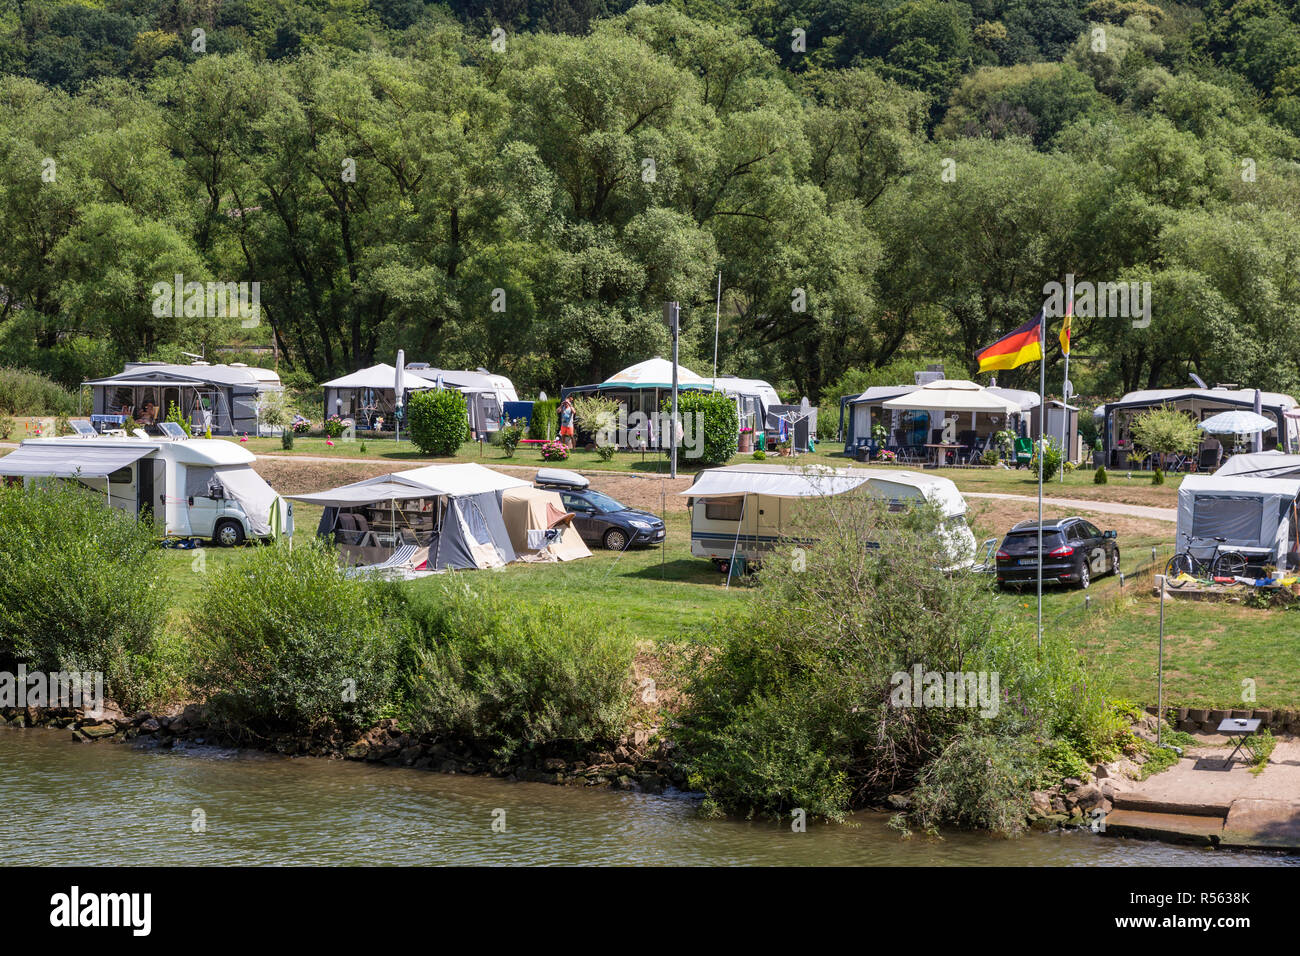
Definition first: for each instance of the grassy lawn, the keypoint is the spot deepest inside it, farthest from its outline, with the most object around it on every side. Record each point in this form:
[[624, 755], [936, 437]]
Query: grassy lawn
[[668, 595]]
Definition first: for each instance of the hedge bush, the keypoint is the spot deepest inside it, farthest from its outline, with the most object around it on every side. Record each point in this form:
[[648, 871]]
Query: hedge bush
[[511, 674], [438, 420], [545, 420], [285, 641], [713, 418], [78, 591], [29, 393]]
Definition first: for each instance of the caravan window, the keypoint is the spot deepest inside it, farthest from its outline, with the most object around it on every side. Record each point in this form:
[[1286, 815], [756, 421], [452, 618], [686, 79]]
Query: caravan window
[[723, 509], [122, 476]]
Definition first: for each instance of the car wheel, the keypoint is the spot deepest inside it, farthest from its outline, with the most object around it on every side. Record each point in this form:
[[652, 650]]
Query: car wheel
[[1114, 562], [229, 534], [616, 539], [1085, 575]]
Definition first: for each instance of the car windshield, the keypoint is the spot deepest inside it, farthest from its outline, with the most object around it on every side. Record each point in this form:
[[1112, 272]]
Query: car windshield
[[604, 503]]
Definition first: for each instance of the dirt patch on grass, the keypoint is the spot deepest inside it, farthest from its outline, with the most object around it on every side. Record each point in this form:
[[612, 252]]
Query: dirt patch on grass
[[292, 476], [993, 517]]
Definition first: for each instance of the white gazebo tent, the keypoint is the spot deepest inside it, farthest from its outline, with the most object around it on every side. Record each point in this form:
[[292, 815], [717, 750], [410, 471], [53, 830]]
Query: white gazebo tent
[[641, 387], [369, 392], [958, 396]]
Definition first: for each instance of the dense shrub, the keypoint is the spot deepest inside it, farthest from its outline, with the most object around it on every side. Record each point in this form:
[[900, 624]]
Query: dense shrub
[[713, 418], [284, 640], [7, 427], [513, 675], [509, 435], [77, 589], [437, 419], [1099, 476], [544, 421], [30, 393], [1052, 458], [792, 708], [980, 782]]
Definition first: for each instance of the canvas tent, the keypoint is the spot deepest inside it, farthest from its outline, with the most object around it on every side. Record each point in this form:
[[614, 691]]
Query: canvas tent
[[450, 515], [1254, 515], [909, 426], [221, 397], [539, 526]]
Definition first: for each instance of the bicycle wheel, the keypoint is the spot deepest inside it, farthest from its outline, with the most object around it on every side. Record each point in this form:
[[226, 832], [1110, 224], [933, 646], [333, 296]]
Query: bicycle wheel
[[1229, 564], [1178, 565]]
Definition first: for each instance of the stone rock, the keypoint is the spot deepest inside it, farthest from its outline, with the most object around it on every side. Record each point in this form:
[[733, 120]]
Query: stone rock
[[651, 783], [447, 766], [1042, 802], [149, 725], [1088, 798], [1072, 783], [554, 765], [899, 801], [357, 751], [1101, 772], [98, 731]]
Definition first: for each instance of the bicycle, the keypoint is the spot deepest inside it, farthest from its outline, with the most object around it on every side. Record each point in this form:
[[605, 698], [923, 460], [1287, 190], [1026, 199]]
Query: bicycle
[[1220, 564]]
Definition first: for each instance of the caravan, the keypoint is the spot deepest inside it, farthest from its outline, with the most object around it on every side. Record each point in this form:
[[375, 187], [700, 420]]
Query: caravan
[[744, 511], [192, 487]]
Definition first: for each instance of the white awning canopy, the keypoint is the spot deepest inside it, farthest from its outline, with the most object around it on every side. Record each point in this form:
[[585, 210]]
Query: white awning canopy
[[379, 376], [653, 373], [432, 481], [776, 481], [949, 395], [63, 460]]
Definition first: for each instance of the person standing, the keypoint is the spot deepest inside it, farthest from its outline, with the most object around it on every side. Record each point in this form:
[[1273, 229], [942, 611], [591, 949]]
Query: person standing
[[566, 423]]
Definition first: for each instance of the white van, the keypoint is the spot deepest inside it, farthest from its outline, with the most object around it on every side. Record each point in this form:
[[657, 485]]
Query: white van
[[193, 487], [743, 510]]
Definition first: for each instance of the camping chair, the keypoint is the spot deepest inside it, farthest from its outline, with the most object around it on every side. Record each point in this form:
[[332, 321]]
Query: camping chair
[[986, 558], [1024, 452], [1210, 459], [399, 558], [977, 448], [908, 455]]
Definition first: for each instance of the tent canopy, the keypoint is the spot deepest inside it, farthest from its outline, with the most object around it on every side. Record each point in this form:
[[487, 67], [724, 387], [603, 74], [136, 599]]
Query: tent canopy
[[654, 373], [379, 376], [431, 481], [1264, 464], [65, 460], [952, 395], [785, 481]]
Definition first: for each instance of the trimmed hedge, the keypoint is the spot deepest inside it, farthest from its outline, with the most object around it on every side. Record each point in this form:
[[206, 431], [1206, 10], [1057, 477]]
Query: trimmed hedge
[[438, 421]]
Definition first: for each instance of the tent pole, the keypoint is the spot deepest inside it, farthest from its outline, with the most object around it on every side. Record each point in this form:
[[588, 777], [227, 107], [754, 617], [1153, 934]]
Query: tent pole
[[1160, 667], [744, 503]]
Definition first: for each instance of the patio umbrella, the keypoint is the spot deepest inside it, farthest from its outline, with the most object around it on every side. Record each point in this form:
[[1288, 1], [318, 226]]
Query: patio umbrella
[[1237, 422]]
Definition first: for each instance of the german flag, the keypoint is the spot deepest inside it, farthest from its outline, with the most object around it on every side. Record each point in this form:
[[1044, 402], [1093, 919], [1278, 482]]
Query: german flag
[[1011, 351]]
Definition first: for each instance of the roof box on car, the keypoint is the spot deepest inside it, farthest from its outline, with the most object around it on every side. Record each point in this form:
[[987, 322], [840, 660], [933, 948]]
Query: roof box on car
[[560, 478]]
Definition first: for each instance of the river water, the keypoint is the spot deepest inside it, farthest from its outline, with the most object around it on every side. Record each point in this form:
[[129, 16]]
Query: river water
[[117, 804]]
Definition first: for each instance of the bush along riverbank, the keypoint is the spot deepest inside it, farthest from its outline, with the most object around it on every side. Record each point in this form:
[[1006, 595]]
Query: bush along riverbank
[[832, 691]]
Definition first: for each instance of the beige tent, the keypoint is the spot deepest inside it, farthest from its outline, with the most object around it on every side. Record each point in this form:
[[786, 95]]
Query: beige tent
[[529, 514]]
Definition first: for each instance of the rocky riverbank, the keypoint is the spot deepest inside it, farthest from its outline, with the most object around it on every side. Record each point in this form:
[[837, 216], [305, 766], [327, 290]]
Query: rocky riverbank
[[637, 762]]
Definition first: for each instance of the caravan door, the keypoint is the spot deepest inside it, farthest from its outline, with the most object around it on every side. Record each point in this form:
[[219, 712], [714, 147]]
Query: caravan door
[[767, 520]]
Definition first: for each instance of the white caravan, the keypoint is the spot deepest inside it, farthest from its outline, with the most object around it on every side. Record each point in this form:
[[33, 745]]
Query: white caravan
[[193, 487], [743, 510]]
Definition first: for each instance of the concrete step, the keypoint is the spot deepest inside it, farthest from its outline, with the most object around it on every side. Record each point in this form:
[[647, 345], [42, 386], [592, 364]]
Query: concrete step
[[1201, 829], [1137, 802]]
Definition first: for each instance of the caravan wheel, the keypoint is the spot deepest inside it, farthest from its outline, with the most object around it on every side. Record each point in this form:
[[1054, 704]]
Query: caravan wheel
[[229, 534]]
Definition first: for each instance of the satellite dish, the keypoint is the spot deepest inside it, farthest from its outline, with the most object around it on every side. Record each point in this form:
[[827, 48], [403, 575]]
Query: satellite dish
[[541, 396], [1200, 382], [804, 405], [1068, 390]]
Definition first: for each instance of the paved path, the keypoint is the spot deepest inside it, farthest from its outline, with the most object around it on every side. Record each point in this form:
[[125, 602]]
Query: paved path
[[1080, 504]]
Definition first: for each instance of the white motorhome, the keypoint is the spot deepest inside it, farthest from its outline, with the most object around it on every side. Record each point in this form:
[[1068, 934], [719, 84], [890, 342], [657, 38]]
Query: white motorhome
[[193, 487], [745, 510]]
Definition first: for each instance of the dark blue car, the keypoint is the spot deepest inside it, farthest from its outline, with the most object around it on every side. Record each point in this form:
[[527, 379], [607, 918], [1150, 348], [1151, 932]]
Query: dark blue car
[[600, 519]]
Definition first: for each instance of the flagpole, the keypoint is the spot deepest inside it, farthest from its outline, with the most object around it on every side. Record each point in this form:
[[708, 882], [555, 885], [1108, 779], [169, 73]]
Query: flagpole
[[1042, 429], [1065, 384], [717, 324]]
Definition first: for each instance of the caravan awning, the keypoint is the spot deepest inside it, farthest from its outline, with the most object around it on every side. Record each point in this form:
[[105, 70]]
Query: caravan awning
[[61, 461], [948, 395]]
